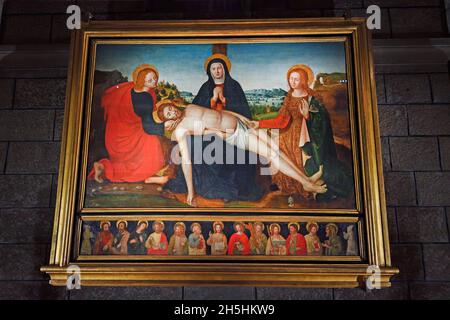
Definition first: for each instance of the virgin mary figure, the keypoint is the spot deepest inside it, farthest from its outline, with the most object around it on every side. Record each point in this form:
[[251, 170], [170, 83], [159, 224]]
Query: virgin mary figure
[[226, 178]]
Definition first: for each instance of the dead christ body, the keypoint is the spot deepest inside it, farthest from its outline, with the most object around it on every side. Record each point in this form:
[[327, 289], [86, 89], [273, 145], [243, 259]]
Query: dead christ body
[[232, 128]]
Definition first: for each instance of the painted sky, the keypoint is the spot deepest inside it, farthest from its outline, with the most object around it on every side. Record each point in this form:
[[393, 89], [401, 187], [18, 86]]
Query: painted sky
[[255, 66]]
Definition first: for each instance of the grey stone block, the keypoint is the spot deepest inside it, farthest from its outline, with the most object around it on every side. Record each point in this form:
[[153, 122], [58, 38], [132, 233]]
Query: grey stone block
[[430, 290], [429, 120], [112, 6], [440, 86], [3, 151], [294, 294], [433, 188], [402, 3], [427, 224], [392, 225], [308, 4], [31, 290], [414, 154], [59, 121], [6, 93], [270, 13], [347, 3], [36, 6], [13, 29], [400, 188], [24, 191], [437, 261], [404, 22], [219, 293], [398, 291], [22, 261], [444, 146], [54, 191], [60, 32], [17, 125], [125, 293], [407, 88], [448, 221], [393, 120], [40, 93], [381, 94], [386, 154], [26, 225], [408, 258], [33, 157]]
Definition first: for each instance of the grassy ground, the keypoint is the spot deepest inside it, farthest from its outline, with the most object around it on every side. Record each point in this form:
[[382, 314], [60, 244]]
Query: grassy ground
[[264, 116], [140, 195]]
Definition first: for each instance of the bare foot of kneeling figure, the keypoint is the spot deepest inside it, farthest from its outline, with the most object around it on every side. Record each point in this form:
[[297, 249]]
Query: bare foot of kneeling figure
[[157, 180], [98, 172]]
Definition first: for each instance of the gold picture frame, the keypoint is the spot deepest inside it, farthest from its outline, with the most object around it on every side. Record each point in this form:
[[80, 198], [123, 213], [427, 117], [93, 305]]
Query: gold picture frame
[[369, 213]]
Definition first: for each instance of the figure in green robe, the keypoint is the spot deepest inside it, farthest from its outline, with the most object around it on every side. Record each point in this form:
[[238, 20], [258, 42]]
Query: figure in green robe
[[333, 246], [322, 152], [88, 237]]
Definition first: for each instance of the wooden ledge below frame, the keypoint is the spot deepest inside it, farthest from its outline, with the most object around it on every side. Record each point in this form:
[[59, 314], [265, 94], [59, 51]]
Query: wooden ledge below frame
[[219, 274]]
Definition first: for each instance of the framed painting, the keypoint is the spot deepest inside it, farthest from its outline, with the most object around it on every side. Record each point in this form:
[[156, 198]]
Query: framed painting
[[232, 152]]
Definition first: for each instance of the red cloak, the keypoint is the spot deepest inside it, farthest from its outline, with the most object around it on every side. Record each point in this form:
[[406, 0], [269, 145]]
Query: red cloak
[[104, 238], [300, 247], [160, 251], [243, 240], [133, 154]]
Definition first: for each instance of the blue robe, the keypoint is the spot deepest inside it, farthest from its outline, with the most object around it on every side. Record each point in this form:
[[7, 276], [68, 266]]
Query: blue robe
[[221, 181]]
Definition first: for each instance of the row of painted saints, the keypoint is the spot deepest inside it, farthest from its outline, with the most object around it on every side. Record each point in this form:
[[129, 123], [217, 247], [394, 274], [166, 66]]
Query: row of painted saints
[[307, 163], [139, 242]]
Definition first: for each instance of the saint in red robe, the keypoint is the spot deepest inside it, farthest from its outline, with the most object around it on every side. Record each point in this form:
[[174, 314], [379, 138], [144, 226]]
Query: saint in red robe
[[104, 238], [133, 154], [296, 245], [155, 247], [239, 244]]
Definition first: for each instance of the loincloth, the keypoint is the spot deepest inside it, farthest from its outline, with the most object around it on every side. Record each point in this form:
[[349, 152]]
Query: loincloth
[[240, 136]]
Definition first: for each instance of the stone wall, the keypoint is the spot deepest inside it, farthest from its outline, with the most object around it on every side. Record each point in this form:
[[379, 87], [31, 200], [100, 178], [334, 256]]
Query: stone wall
[[414, 104]]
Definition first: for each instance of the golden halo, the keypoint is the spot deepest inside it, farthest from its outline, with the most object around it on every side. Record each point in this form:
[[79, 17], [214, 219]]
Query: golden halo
[[332, 225], [195, 224], [274, 225], [217, 223], [305, 68], [218, 56], [103, 222], [159, 105], [295, 224], [142, 221], [311, 224], [143, 67], [259, 223], [180, 224], [118, 222], [157, 222]]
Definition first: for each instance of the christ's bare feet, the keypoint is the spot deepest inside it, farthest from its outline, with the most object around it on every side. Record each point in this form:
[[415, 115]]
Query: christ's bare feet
[[157, 180], [98, 172], [310, 187]]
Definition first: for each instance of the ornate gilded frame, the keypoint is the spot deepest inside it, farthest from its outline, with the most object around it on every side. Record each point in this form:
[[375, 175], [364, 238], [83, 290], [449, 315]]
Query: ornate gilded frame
[[331, 272]]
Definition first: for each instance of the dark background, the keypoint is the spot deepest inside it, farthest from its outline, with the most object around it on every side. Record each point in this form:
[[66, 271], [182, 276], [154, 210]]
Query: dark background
[[411, 54]]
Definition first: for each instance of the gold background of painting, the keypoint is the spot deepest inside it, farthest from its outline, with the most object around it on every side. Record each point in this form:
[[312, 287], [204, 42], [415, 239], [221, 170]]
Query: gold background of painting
[[365, 146]]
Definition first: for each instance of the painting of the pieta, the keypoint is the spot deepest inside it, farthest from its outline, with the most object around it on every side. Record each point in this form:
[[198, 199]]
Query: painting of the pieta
[[254, 126]]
